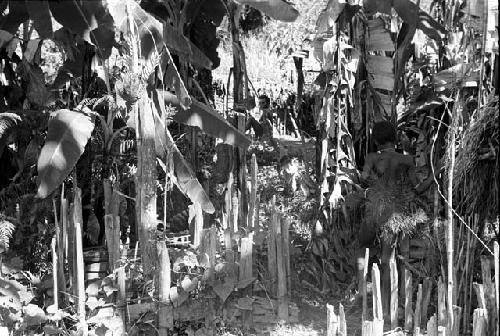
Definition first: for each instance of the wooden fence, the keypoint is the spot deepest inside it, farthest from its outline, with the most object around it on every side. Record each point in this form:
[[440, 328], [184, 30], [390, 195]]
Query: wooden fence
[[416, 320]]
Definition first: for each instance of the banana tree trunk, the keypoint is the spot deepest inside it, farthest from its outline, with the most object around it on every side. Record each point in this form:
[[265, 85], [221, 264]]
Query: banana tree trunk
[[146, 185], [240, 94]]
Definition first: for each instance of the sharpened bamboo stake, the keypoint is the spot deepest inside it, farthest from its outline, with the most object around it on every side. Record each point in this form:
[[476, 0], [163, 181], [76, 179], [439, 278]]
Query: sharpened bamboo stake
[[332, 325], [418, 310], [364, 313], [497, 282], [55, 276], [408, 300], [394, 292], [378, 315]]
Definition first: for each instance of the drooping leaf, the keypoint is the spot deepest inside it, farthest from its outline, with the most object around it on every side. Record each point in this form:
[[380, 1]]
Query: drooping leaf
[[174, 80], [185, 178], [206, 119], [410, 13], [181, 45], [89, 20], [39, 12], [277, 9], [457, 75], [68, 133]]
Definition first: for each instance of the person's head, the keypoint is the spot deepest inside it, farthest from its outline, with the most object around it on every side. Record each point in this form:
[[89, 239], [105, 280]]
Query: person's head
[[264, 101], [384, 133]]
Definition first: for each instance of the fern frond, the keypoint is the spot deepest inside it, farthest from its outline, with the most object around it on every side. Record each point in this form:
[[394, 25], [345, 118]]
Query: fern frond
[[7, 121], [6, 231]]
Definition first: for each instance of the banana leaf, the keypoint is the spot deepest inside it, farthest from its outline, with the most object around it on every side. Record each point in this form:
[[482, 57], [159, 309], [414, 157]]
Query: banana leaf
[[153, 33], [206, 119], [185, 178], [39, 12], [277, 9], [68, 133]]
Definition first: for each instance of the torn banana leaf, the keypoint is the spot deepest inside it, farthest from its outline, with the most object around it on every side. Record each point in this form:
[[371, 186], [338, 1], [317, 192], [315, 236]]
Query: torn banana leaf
[[206, 119], [185, 178]]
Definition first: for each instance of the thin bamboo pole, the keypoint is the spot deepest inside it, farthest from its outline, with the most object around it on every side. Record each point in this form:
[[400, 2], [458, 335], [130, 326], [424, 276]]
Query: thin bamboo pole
[[497, 282], [55, 275], [449, 227]]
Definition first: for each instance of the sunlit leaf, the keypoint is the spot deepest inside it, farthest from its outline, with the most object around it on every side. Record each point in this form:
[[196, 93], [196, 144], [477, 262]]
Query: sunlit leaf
[[277, 9], [207, 120], [185, 178], [68, 133]]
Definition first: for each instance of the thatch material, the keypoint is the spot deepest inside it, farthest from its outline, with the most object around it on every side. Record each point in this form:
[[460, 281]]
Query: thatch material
[[387, 210], [475, 177], [394, 210]]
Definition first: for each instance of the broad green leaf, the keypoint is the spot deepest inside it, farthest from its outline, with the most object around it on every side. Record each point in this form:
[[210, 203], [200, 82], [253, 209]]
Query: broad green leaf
[[87, 19], [33, 315], [277, 9], [206, 119], [39, 12], [5, 38], [68, 133], [185, 178]]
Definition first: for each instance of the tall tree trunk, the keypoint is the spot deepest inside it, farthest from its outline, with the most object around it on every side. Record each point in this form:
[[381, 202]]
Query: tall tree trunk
[[146, 185]]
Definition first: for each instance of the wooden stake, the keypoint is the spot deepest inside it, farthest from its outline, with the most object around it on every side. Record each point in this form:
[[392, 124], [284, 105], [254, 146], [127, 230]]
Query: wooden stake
[[364, 314], [378, 315], [489, 292], [61, 281], [497, 281], [55, 277], [418, 309], [408, 300], [253, 192], [246, 271], [285, 225], [79, 269], [479, 322], [165, 311], [342, 321], [441, 309], [394, 292], [271, 248], [457, 312], [432, 326], [332, 324], [367, 328], [481, 298], [281, 274], [427, 289]]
